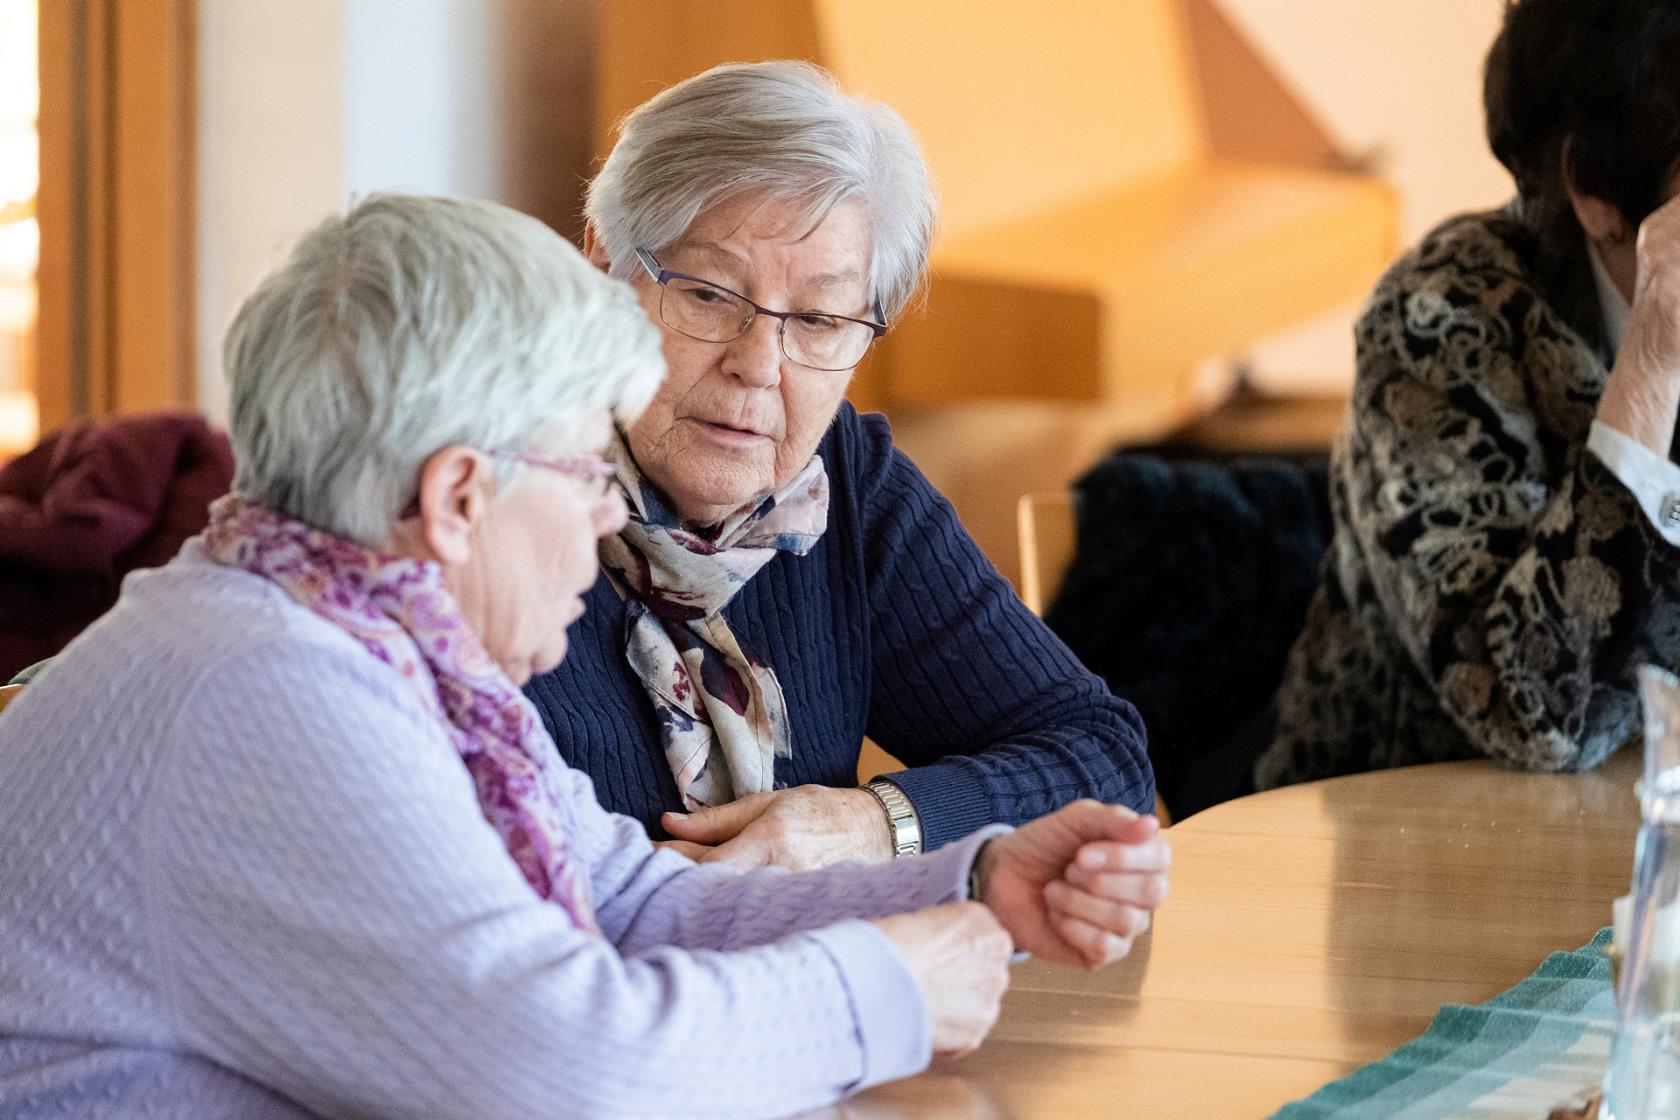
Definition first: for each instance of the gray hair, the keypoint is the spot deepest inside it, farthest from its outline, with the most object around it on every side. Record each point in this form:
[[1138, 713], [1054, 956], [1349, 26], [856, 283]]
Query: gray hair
[[412, 324], [784, 130]]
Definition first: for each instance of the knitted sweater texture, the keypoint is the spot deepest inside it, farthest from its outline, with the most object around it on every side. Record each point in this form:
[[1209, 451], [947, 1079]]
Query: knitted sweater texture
[[243, 873], [894, 627]]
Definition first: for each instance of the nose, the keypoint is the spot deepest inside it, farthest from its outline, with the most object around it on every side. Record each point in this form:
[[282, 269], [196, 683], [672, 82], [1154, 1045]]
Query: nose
[[611, 514], [756, 357]]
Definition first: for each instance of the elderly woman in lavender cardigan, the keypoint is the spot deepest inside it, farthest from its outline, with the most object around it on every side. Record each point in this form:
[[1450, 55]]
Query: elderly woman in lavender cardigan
[[279, 836], [788, 582]]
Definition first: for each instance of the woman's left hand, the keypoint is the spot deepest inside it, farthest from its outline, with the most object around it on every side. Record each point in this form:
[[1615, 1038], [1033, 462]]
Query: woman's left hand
[[800, 828], [1078, 885]]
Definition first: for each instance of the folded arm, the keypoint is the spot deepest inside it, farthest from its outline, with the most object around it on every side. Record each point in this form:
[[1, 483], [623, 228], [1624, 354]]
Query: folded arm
[[1523, 578]]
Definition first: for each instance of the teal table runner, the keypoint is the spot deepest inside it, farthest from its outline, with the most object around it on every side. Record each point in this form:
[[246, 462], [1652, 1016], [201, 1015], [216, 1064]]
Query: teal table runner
[[1519, 1055]]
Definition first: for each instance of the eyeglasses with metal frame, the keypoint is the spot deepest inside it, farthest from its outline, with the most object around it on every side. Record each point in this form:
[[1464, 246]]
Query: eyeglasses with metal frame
[[708, 312]]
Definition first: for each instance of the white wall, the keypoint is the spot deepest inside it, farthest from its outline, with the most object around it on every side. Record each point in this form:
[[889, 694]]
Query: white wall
[[270, 150], [417, 98], [306, 103]]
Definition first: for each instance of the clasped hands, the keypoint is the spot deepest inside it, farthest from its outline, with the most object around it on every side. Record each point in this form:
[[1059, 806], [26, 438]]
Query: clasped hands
[[1077, 887]]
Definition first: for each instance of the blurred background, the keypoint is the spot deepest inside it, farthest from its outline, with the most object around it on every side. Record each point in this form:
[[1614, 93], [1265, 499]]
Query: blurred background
[[1160, 216]]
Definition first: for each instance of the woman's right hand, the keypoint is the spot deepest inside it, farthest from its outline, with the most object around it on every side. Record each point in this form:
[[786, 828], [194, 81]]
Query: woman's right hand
[[1642, 396], [959, 955]]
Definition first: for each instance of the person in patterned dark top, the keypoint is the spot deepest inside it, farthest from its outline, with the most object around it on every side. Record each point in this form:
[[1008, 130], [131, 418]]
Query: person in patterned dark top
[[1507, 547]]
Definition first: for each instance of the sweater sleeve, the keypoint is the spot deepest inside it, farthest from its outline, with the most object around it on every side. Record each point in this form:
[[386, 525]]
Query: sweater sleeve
[[651, 897], [1519, 573], [994, 717], [336, 920]]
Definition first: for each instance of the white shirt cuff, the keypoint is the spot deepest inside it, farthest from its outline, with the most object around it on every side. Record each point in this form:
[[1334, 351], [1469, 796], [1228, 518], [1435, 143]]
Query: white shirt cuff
[[1652, 479]]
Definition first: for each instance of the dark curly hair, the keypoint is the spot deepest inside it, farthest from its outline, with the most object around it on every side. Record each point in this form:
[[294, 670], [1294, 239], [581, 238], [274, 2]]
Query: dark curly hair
[[1588, 92]]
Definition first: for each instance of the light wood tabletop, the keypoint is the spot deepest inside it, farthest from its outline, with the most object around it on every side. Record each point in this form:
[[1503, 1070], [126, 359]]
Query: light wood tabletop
[[1310, 931]]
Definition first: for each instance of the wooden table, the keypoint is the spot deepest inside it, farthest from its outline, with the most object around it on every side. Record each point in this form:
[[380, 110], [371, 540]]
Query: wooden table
[[1310, 931]]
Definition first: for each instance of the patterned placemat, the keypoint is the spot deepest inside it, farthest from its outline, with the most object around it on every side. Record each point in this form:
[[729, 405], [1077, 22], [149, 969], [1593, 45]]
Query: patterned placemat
[[1515, 1057]]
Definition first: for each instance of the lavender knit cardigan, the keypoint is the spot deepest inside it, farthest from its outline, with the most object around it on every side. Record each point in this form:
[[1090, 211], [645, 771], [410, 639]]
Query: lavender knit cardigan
[[242, 872]]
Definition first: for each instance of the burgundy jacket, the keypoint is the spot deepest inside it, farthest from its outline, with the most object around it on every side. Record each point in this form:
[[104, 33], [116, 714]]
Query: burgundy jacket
[[92, 501]]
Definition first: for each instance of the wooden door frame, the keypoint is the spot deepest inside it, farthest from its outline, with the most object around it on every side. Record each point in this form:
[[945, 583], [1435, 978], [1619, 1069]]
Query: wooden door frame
[[116, 207]]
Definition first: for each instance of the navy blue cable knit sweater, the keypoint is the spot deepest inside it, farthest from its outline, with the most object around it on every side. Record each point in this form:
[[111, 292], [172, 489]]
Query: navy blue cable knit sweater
[[896, 627]]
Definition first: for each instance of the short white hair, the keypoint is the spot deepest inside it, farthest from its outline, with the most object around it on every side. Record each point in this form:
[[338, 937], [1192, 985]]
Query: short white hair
[[411, 324], [785, 131]]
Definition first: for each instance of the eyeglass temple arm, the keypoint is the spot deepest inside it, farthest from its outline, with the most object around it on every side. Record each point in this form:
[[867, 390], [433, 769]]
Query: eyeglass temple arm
[[652, 266]]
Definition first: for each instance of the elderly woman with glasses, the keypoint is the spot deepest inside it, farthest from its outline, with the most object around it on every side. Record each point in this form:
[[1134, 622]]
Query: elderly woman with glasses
[[787, 582], [280, 836]]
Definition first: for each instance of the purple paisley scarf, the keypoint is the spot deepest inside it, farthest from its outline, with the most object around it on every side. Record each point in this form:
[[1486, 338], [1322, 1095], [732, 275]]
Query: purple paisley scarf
[[402, 613], [722, 719]]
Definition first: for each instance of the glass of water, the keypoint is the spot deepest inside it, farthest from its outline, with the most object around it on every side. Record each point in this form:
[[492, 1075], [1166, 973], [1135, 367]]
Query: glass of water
[[1643, 1081]]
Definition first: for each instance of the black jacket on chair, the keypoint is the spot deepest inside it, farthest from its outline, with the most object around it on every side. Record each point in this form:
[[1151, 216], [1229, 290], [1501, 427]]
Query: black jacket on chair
[[1188, 585]]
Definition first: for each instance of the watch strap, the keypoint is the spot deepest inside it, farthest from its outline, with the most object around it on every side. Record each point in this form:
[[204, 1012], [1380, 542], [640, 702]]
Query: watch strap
[[904, 826]]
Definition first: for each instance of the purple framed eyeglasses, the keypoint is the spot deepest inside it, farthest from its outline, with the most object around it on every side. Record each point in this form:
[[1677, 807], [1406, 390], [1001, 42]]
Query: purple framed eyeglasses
[[588, 468], [710, 312]]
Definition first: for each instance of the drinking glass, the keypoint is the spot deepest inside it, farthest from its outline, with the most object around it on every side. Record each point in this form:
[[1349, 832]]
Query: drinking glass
[[1643, 1080]]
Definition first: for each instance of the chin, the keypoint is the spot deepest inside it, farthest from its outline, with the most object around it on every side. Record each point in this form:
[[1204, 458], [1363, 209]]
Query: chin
[[720, 470], [546, 664], [729, 490]]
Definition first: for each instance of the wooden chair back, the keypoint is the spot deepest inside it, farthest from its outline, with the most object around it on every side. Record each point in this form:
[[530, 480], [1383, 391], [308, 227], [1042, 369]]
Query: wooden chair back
[[8, 693], [1046, 525], [1048, 529]]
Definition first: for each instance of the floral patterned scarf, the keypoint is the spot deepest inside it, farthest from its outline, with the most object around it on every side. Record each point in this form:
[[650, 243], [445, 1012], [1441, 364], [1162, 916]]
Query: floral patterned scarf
[[402, 613], [721, 715]]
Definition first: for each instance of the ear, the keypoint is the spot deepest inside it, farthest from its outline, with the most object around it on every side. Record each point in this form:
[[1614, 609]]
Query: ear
[[593, 250], [1601, 220], [456, 485]]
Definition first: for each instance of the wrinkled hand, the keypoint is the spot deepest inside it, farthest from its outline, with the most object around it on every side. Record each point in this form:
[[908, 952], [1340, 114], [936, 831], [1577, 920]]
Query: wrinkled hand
[[1078, 885], [695, 852], [1641, 396], [800, 829], [959, 955]]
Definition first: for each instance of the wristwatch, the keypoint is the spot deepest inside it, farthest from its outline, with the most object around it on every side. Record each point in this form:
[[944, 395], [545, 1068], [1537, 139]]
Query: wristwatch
[[902, 822]]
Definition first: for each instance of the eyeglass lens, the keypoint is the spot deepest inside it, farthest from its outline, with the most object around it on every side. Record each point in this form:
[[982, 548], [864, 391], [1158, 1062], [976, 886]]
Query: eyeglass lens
[[711, 314]]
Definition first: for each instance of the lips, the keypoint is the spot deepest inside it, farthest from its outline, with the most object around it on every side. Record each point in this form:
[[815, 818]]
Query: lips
[[724, 425]]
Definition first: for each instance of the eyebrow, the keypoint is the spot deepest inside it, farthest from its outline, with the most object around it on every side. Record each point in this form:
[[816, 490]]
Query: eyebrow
[[733, 260], [834, 279], [725, 257]]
